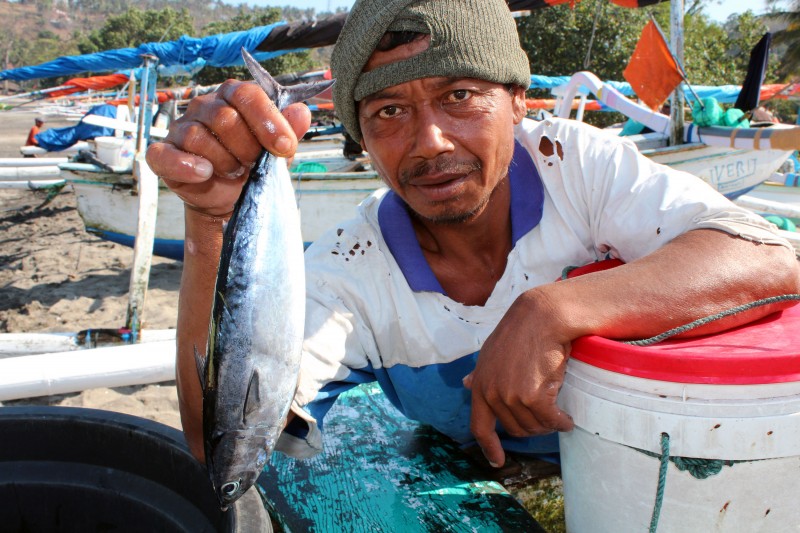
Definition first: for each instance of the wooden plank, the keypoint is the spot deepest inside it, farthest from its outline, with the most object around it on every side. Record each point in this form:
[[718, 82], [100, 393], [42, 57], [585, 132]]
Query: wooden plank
[[380, 471]]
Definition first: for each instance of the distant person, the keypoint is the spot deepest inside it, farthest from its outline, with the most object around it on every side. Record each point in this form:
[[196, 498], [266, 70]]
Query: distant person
[[37, 126], [762, 114]]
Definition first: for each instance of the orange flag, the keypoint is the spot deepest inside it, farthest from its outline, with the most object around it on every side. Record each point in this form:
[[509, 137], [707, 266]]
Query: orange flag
[[652, 71]]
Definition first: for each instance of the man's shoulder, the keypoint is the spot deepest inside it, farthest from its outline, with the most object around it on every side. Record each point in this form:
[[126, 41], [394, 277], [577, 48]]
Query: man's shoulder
[[532, 127]]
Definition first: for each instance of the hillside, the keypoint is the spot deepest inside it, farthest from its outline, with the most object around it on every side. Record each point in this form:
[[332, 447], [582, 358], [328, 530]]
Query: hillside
[[35, 31]]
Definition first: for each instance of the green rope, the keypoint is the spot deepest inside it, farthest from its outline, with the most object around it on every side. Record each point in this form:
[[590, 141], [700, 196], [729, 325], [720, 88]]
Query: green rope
[[706, 320], [662, 482], [52, 192], [698, 468]]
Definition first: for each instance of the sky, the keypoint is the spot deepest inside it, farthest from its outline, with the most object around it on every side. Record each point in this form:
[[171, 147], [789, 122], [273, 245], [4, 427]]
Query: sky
[[718, 10]]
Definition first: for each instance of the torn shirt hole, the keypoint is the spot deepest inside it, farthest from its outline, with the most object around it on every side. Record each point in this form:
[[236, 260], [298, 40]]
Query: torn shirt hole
[[546, 148], [394, 52]]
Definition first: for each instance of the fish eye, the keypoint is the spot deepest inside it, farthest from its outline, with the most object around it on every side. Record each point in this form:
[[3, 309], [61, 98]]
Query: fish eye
[[229, 489]]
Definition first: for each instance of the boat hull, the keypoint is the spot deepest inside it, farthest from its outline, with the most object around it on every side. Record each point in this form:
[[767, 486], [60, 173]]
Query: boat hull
[[732, 172], [108, 205]]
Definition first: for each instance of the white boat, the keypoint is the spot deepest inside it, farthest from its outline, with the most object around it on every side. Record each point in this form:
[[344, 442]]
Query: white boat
[[108, 203], [732, 160], [780, 197]]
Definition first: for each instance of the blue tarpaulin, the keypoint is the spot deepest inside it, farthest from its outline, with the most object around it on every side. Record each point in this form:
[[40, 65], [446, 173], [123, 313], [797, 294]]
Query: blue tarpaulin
[[57, 139], [724, 94], [220, 50]]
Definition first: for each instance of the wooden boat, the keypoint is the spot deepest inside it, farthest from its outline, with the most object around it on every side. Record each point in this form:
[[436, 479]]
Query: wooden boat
[[732, 160], [328, 187], [108, 204]]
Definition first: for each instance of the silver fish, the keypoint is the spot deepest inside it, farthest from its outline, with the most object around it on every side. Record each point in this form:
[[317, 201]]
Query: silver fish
[[249, 374]]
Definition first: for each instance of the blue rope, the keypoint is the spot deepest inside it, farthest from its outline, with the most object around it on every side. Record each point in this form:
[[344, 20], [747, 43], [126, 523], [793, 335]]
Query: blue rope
[[706, 320], [662, 482]]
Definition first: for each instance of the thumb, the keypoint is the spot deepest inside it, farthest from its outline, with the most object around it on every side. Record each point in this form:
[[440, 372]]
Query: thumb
[[467, 381]]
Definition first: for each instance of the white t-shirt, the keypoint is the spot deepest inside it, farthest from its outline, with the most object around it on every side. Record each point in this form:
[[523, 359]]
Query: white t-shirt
[[375, 311]]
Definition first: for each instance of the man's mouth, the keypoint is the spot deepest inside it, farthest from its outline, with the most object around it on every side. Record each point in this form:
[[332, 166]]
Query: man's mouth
[[440, 187], [441, 179]]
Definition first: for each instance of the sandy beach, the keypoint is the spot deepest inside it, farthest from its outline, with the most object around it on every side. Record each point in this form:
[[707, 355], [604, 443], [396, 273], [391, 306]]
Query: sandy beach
[[56, 277]]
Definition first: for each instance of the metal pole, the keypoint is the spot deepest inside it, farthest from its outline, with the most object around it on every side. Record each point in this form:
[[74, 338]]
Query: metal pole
[[676, 101]]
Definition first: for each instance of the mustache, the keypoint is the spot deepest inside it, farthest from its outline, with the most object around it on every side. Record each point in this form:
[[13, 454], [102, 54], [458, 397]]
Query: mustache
[[442, 165]]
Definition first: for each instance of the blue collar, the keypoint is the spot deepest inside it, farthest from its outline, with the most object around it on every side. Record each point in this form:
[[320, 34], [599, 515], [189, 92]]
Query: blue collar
[[527, 200]]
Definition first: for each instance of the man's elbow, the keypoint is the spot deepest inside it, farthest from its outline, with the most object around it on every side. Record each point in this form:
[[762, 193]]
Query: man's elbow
[[783, 270]]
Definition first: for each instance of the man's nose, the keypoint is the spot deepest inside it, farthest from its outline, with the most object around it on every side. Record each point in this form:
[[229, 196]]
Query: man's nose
[[431, 135]]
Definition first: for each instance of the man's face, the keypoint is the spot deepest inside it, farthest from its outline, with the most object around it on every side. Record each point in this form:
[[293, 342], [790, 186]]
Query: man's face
[[442, 144]]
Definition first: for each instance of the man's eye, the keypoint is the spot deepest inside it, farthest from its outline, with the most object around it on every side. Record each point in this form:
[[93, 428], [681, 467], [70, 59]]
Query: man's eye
[[460, 95], [388, 111]]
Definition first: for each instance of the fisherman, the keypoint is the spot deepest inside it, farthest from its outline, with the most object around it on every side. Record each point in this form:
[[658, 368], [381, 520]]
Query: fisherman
[[34, 131], [442, 289]]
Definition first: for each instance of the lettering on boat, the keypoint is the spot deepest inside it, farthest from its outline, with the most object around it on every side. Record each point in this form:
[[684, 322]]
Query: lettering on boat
[[727, 176]]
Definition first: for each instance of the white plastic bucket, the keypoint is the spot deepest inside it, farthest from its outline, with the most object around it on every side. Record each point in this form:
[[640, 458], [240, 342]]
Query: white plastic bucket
[[732, 397], [114, 151]]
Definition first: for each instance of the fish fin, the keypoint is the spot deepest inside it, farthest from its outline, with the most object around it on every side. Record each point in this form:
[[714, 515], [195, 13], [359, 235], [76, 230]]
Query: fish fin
[[252, 402], [200, 361], [282, 96]]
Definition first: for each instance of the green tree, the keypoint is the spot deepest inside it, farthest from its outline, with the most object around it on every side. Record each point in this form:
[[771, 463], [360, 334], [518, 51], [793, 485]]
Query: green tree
[[789, 37], [557, 39], [135, 27], [598, 36], [719, 55], [244, 20]]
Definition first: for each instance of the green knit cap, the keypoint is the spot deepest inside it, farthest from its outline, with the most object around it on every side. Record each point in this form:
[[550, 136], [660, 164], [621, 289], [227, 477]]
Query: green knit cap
[[469, 39]]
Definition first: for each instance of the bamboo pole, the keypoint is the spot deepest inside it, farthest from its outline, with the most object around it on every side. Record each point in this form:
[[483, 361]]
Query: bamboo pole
[[147, 188], [676, 100]]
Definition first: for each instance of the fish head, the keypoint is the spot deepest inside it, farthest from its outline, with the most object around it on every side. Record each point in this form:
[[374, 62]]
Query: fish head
[[235, 460]]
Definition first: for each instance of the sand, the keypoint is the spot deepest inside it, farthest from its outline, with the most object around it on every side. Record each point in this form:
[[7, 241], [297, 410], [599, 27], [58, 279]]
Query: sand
[[56, 277]]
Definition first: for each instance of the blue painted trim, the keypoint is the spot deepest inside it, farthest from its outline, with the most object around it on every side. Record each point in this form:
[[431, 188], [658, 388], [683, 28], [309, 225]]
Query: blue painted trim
[[169, 248]]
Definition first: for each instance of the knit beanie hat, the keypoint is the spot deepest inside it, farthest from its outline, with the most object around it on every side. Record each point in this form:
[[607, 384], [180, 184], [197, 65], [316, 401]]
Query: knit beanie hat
[[468, 39]]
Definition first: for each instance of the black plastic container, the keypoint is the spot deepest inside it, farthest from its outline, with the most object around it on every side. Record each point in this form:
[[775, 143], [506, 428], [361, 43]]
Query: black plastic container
[[66, 469]]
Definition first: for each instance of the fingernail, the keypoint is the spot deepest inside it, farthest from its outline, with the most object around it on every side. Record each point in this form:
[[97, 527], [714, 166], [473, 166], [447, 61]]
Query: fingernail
[[237, 173], [204, 169], [283, 144], [491, 463]]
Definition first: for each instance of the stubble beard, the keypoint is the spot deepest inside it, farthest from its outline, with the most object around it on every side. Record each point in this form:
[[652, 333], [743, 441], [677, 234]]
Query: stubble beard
[[447, 215]]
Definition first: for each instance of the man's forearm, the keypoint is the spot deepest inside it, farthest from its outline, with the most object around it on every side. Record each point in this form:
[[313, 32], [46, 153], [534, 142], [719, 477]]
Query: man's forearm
[[700, 273], [203, 242]]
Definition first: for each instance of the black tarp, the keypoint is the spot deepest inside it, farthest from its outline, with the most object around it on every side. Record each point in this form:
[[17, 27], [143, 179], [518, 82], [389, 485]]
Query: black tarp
[[521, 5], [307, 34], [751, 87]]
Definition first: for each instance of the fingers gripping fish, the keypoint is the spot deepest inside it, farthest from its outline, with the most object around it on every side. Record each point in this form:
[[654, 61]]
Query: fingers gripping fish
[[252, 361]]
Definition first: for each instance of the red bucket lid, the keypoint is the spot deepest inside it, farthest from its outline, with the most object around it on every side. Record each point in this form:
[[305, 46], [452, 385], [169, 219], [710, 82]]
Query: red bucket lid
[[764, 351]]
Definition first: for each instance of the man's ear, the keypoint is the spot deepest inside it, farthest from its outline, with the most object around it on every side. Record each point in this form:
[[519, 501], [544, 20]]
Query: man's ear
[[519, 108]]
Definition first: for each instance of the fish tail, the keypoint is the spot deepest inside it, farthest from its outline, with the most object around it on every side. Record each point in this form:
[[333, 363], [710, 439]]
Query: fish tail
[[283, 96]]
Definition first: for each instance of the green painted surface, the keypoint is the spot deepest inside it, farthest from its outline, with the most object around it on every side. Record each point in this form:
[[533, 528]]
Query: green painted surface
[[382, 472]]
